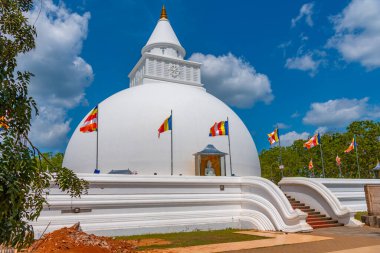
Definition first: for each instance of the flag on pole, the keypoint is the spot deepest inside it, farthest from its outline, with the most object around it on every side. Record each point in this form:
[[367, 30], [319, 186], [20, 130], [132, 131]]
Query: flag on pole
[[167, 125], [311, 166], [312, 142], [3, 124], [218, 129], [352, 145], [273, 137], [337, 159], [91, 123]]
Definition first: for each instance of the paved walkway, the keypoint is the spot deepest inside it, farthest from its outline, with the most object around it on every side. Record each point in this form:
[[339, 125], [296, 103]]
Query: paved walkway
[[332, 240], [343, 239]]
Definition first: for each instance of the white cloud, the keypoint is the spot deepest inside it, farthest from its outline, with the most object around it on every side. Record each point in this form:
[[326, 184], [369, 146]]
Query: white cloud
[[304, 63], [54, 127], [321, 130], [233, 80], [306, 12], [357, 33], [61, 75], [288, 138], [340, 112], [295, 115], [281, 125]]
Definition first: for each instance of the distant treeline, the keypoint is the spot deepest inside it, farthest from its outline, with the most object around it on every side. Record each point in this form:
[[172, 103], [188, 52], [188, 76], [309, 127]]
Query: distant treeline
[[296, 158], [54, 160]]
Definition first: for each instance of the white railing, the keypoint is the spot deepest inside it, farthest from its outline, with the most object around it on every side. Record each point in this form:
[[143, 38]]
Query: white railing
[[349, 192], [337, 198], [122, 205]]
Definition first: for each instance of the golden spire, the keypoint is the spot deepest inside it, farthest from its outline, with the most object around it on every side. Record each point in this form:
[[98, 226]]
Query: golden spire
[[163, 13]]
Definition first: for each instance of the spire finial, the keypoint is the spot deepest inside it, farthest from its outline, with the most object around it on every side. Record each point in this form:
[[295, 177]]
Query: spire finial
[[163, 13]]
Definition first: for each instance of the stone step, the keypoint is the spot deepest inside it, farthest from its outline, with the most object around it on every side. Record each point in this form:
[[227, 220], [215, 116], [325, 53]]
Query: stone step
[[327, 225], [316, 216], [303, 208], [306, 210], [321, 222], [311, 219], [298, 205]]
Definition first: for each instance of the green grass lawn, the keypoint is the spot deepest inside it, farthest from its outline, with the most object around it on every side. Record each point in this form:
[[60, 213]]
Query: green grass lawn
[[185, 239]]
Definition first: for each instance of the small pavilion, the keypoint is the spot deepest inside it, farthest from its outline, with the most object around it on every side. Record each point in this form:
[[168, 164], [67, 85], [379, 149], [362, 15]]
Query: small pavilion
[[210, 162]]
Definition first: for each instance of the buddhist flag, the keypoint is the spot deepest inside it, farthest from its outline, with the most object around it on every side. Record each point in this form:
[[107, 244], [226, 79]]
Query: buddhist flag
[[167, 125], [3, 124], [311, 164], [91, 123], [314, 141], [352, 145], [273, 137], [337, 159], [218, 129]]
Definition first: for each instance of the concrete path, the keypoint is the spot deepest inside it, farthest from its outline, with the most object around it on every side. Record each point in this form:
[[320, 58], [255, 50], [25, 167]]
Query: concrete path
[[327, 240], [369, 249], [343, 239]]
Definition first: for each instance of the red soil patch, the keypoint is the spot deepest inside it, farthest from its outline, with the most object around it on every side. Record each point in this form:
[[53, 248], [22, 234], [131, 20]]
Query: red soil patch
[[75, 241]]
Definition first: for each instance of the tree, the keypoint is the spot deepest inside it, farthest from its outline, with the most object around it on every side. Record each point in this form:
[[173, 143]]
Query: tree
[[23, 179], [296, 158]]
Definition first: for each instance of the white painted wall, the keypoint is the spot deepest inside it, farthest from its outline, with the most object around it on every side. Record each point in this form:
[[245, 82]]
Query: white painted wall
[[125, 205]]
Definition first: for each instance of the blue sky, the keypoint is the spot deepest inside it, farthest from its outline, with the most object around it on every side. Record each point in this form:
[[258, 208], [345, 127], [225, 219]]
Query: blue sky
[[304, 65]]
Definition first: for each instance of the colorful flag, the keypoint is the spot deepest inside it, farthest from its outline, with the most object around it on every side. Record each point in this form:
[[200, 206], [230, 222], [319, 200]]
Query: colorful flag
[[314, 141], [220, 128], [311, 164], [3, 125], [167, 125], [91, 123], [273, 137], [337, 159], [352, 145]]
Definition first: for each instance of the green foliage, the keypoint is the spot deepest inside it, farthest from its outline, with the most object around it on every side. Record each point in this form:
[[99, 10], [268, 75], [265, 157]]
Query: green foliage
[[359, 215], [295, 158], [23, 178]]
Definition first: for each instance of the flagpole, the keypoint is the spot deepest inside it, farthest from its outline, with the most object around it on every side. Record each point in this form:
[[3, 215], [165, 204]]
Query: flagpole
[[171, 142], [340, 170], [229, 146], [323, 163], [279, 145], [357, 157], [97, 140]]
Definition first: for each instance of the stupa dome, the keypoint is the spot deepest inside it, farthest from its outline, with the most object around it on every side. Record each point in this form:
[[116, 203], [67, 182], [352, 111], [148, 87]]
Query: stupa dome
[[128, 121]]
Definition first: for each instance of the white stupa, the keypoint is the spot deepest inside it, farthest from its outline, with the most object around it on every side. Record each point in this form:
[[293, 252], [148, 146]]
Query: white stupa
[[128, 121]]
